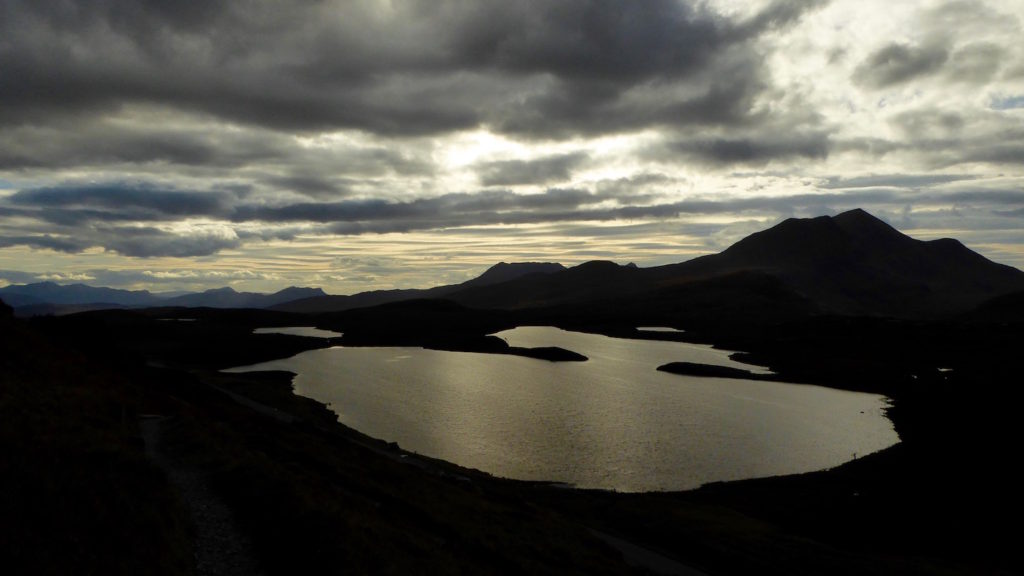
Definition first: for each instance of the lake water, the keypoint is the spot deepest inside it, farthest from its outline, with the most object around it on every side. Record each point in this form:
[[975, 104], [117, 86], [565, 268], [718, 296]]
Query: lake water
[[612, 422]]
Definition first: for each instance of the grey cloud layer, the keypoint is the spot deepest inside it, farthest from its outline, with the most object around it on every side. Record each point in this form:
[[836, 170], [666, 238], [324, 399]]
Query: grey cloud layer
[[150, 128], [513, 172], [539, 68], [90, 216]]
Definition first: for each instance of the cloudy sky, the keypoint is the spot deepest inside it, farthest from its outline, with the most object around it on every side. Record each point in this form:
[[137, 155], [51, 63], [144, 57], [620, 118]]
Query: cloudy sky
[[362, 144]]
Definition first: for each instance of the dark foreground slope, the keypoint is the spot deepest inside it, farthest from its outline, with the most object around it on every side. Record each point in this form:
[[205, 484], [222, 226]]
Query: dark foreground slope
[[77, 495], [315, 496]]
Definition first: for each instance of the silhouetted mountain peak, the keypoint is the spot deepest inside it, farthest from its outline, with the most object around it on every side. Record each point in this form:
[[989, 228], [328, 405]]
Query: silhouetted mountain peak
[[865, 227], [596, 265], [599, 271], [856, 263], [852, 235], [296, 292], [505, 271], [851, 263]]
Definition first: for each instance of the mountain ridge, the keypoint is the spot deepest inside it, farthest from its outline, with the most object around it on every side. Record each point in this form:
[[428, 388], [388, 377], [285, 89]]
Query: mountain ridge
[[852, 263], [50, 298]]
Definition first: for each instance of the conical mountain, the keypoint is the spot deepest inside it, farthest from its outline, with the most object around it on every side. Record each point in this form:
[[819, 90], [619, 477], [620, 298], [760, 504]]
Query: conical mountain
[[854, 263]]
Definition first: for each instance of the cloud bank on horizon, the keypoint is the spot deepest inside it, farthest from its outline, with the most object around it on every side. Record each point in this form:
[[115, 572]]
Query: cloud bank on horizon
[[362, 144]]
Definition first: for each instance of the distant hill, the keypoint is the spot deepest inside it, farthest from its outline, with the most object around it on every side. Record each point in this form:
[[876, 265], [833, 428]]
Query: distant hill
[[74, 294], [497, 274], [50, 298], [1005, 309], [229, 298], [504, 272]]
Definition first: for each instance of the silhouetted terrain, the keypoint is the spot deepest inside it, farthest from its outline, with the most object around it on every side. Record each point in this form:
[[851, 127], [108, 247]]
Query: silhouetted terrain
[[77, 494], [229, 298], [49, 298], [846, 302], [53, 293], [852, 264], [497, 274], [1008, 308]]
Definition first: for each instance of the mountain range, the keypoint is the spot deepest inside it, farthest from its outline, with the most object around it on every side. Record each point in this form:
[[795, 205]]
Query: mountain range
[[849, 264], [51, 298]]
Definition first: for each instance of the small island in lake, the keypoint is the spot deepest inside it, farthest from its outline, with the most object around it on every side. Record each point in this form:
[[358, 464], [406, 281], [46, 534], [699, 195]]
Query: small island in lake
[[708, 370]]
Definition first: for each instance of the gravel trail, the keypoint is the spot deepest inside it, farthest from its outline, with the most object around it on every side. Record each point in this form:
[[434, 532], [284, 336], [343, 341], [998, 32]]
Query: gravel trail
[[220, 548]]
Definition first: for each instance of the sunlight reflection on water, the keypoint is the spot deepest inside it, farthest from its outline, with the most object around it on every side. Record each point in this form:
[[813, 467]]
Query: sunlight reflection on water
[[611, 422]]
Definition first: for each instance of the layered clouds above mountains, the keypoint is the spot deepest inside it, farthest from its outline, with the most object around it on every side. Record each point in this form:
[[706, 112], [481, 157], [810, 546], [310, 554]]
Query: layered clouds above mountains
[[360, 144]]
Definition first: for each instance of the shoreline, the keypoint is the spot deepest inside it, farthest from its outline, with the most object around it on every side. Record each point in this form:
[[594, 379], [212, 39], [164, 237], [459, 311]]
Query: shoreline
[[922, 506], [320, 414]]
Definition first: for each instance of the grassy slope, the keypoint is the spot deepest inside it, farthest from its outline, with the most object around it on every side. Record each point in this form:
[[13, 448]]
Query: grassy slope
[[77, 495]]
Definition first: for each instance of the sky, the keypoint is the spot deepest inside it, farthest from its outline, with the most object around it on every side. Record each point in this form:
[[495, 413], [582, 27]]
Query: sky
[[367, 144]]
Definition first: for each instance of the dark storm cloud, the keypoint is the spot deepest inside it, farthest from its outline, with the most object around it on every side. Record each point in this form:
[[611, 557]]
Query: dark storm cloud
[[505, 208], [46, 242], [911, 181], [635, 188], [104, 225], [268, 159], [541, 171], [145, 242], [898, 63], [307, 185], [136, 241], [502, 207], [414, 68], [753, 150], [137, 200], [443, 210], [938, 139], [17, 276], [89, 142]]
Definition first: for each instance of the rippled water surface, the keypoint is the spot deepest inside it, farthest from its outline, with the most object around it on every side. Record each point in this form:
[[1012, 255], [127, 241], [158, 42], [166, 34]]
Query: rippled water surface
[[611, 422]]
